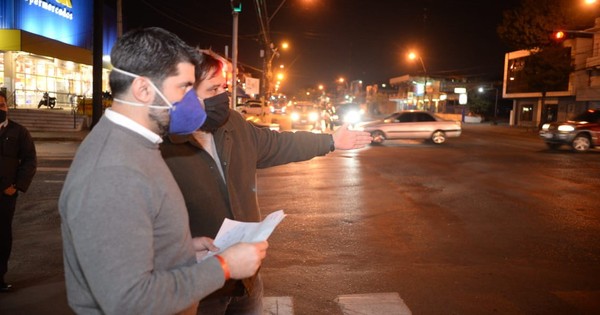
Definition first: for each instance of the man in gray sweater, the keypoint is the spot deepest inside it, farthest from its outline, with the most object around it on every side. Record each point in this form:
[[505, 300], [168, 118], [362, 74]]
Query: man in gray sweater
[[126, 242]]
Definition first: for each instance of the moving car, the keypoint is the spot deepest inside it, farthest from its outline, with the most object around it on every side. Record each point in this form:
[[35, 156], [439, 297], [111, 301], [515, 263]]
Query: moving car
[[582, 132], [412, 124], [305, 115], [347, 113], [252, 107]]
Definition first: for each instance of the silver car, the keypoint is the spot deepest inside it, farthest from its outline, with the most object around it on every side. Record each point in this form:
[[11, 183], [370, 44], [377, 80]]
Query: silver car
[[412, 124]]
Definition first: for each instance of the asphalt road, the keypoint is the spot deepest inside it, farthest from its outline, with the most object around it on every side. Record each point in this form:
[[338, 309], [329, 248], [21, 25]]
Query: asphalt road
[[491, 222]]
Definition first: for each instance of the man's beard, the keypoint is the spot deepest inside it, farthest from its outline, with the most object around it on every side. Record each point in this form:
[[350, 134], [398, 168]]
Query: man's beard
[[160, 117]]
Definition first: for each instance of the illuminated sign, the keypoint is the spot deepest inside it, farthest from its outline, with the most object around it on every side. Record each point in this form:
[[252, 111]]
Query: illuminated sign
[[67, 21], [58, 10]]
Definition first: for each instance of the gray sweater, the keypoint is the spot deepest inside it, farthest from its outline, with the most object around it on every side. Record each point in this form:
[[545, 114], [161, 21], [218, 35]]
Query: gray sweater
[[126, 242]]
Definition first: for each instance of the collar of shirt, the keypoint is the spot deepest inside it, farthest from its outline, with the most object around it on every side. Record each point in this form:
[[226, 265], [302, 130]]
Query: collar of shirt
[[4, 123], [128, 123]]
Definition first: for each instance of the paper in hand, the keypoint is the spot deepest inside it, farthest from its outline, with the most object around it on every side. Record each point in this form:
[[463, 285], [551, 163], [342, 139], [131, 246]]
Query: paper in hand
[[233, 232]]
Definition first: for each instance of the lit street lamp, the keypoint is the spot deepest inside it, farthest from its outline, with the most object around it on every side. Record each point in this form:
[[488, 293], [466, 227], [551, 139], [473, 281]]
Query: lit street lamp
[[481, 90], [413, 56]]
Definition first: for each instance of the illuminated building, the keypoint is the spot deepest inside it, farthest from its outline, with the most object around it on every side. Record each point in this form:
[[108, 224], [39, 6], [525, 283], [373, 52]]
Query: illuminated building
[[46, 46]]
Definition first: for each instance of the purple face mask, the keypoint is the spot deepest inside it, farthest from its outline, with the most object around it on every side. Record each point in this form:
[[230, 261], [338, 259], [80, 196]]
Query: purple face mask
[[186, 115]]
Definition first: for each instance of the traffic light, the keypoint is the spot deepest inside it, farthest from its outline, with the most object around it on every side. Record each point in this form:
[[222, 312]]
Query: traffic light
[[236, 5], [562, 35]]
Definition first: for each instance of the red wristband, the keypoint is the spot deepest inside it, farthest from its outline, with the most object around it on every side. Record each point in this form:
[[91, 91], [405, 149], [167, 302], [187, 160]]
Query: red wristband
[[224, 266]]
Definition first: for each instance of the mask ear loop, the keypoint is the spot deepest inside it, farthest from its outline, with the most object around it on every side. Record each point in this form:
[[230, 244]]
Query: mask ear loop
[[169, 105]]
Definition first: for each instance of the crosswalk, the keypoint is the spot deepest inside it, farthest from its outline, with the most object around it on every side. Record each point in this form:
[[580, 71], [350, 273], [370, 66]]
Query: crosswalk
[[351, 304]]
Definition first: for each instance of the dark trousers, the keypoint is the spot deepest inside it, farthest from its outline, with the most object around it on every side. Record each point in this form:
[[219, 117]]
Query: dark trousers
[[250, 303], [7, 211]]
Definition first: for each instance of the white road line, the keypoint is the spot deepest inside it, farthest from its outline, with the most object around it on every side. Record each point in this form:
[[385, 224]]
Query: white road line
[[373, 303], [278, 305]]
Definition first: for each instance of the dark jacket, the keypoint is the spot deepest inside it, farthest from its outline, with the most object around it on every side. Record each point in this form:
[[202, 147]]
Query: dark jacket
[[18, 161], [242, 148]]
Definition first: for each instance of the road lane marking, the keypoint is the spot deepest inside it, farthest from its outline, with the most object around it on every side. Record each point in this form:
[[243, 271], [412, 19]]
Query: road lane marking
[[278, 305], [373, 303]]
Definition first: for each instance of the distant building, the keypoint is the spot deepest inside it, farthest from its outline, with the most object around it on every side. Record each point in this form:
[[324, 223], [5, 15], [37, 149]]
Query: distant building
[[46, 46], [581, 90], [447, 95]]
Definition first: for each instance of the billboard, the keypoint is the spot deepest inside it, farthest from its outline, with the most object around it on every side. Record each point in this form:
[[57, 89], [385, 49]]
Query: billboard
[[67, 21]]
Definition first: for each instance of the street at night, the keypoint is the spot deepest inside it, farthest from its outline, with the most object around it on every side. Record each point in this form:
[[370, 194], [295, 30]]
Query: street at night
[[490, 222]]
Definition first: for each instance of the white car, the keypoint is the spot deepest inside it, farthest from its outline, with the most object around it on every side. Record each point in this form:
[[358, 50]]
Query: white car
[[254, 108], [412, 124]]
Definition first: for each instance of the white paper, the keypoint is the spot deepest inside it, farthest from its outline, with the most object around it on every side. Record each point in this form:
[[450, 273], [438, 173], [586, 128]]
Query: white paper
[[233, 232]]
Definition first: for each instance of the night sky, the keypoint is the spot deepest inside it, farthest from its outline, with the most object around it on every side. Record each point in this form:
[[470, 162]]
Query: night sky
[[358, 39]]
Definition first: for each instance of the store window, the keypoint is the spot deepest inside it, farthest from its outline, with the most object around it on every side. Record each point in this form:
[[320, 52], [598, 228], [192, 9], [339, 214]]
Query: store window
[[527, 112], [65, 80], [2, 70]]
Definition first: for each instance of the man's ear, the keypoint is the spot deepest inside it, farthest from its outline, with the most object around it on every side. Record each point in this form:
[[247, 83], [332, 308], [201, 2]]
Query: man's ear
[[142, 90]]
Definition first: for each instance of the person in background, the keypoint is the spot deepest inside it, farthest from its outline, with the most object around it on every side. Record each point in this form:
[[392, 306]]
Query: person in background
[[126, 242], [215, 168], [18, 164]]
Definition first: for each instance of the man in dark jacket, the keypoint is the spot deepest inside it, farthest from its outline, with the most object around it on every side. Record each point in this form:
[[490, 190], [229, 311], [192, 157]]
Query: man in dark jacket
[[18, 164], [216, 172]]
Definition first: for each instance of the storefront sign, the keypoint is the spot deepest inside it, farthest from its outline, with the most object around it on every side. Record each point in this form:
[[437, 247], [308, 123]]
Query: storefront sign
[[67, 21]]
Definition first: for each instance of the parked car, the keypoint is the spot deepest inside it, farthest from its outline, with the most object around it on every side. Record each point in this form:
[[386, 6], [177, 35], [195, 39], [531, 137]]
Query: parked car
[[412, 124], [581, 133], [305, 115], [252, 107], [347, 113]]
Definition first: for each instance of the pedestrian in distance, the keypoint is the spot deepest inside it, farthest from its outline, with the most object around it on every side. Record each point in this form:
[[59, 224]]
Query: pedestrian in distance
[[215, 168], [18, 164], [126, 242]]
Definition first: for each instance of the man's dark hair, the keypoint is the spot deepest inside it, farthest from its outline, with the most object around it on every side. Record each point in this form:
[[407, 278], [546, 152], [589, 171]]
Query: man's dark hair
[[208, 64], [2, 94], [150, 52]]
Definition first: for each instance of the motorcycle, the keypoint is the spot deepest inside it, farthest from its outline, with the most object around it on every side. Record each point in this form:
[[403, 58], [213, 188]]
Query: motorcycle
[[47, 101]]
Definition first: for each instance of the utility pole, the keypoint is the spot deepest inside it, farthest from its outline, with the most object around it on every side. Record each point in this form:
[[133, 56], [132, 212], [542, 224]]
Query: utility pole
[[97, 63], [236, 6]]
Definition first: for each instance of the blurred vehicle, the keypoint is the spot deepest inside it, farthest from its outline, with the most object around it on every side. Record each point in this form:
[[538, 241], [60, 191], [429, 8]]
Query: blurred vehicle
[[277, 109], [412, 124], [347, 113], [305, 115], [252, 107], [581, 133]]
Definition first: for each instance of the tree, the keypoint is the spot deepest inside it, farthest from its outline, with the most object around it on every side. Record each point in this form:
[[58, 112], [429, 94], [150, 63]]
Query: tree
[[530, 27], [478, 104]]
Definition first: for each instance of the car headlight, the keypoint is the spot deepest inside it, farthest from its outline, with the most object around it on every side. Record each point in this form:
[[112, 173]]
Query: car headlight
[[313, 116], [295, 116], [545, 126], [352, 117], [566, 128]]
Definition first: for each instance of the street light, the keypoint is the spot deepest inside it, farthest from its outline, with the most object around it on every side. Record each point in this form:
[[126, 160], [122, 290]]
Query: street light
[[413, 56], [481, 90]]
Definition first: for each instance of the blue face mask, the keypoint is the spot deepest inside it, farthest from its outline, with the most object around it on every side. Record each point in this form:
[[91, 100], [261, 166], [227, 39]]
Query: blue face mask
[[186, 116]]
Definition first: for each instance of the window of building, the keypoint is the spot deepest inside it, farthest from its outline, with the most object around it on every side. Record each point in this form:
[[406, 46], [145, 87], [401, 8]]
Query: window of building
[[65, 80], [527, 112]]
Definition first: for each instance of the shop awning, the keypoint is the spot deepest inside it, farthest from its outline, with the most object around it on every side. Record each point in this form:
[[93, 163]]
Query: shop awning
[[18, 40]]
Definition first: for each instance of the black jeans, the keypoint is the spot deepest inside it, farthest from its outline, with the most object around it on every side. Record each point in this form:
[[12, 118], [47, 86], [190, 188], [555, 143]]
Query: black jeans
[[7, 211], [248, 304]]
